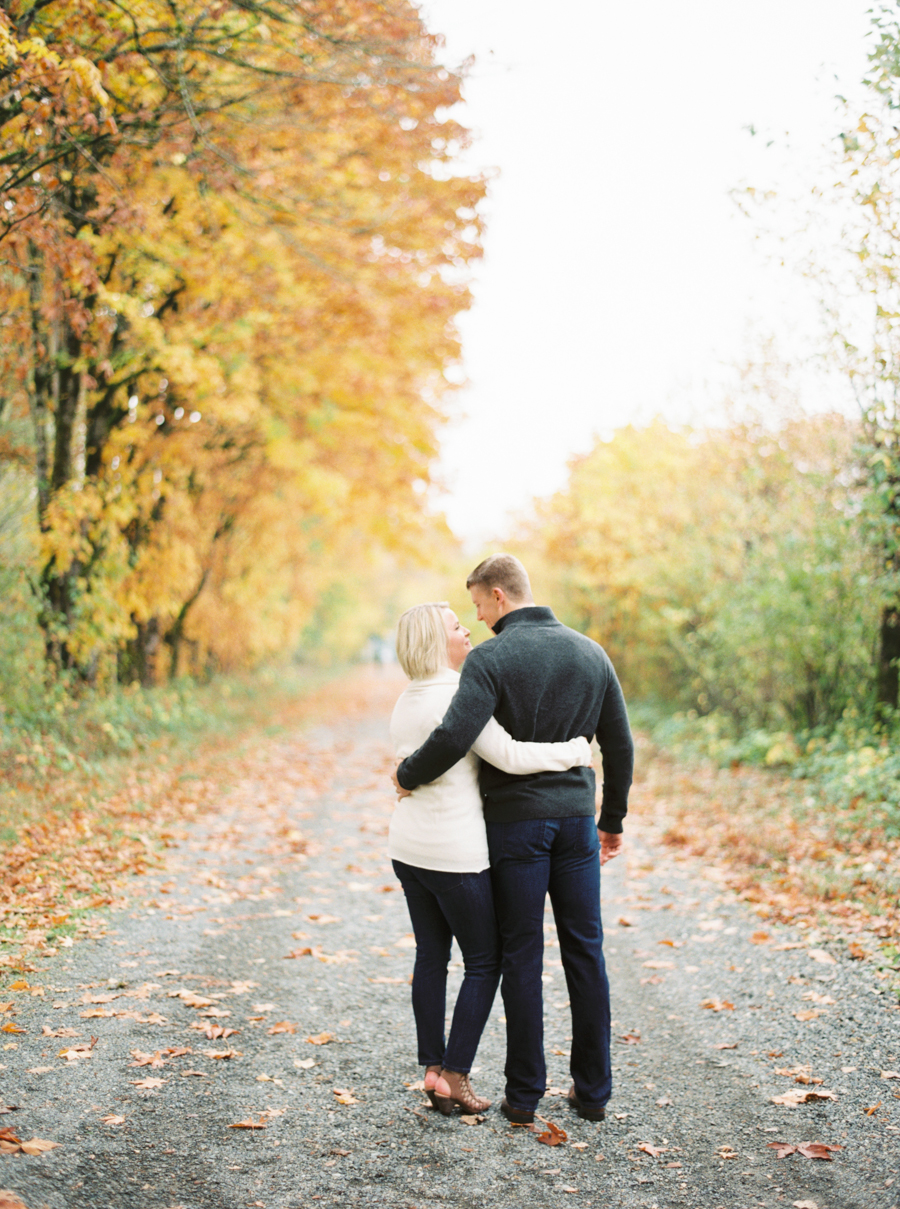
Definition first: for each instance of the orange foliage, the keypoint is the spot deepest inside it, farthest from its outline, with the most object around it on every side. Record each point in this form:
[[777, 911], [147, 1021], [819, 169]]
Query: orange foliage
[[234, 251]]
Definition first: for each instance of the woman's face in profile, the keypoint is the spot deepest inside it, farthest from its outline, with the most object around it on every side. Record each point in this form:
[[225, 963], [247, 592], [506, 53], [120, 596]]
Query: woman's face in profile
[[458, 645]]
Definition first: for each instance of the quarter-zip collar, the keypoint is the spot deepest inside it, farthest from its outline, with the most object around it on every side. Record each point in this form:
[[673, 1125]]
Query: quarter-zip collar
[[530, 614]]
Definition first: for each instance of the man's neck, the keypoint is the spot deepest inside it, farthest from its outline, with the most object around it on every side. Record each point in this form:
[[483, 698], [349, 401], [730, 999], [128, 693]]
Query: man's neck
[[513, 606]]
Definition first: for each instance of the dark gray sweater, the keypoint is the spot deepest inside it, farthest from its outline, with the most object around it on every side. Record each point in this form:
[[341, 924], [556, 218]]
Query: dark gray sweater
[[543, 682]]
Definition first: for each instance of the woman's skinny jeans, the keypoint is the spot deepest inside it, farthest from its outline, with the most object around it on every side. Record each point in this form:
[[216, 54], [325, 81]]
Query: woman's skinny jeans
[[443, 906]]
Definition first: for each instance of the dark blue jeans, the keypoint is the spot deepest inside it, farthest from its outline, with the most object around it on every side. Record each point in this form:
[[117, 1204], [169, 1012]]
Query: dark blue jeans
[[441, 906], [530, 859]]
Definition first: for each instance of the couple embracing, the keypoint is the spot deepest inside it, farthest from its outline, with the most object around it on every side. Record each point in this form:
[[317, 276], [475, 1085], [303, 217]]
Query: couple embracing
[[496, 810]]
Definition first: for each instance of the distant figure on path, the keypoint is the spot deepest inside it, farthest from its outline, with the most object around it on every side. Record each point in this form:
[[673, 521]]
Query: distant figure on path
[[439, 851], [541, 681]]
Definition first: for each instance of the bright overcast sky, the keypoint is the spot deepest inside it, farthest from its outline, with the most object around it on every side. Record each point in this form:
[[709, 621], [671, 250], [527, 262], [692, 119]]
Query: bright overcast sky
[[620, 280]]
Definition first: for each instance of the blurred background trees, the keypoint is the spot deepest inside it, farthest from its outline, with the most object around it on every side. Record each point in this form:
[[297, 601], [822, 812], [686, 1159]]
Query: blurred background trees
[[232, 254], [234, 239]]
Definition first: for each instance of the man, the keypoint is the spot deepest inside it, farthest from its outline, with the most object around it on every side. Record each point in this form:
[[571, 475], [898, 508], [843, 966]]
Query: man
[[542, 681]]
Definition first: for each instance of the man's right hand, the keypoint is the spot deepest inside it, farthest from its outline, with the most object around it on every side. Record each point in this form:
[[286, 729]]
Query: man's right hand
[[610, 845], [398, 788]]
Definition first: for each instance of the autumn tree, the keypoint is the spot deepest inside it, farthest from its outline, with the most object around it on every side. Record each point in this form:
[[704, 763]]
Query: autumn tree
[[721, 568], [863, 301], [231, 263]]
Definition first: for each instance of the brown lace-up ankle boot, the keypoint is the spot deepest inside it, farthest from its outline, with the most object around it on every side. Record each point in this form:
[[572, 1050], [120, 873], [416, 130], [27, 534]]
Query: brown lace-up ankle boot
[[461, 1093]]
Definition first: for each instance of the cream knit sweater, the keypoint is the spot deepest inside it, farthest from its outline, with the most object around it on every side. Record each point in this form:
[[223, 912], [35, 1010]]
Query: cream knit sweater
[[441, 825]]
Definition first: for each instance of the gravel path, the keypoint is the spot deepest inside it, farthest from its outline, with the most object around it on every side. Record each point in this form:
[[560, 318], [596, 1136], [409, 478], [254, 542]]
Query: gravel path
[[294, 863]]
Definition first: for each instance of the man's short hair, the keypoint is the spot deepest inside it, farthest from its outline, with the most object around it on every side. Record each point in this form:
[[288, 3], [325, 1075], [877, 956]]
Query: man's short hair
[[422, 640], [502, 571]]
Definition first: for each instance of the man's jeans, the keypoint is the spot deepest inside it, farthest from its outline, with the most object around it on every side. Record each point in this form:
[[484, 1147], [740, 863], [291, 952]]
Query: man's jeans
[[441, 906], [530, 859]]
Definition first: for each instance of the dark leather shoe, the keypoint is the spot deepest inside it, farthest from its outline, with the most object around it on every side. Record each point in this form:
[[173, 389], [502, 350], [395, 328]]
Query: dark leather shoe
[[518, 1116], [589, 1114]]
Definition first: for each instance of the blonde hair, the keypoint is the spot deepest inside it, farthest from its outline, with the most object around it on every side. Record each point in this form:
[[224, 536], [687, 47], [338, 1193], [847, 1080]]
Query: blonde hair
[[422, 640]]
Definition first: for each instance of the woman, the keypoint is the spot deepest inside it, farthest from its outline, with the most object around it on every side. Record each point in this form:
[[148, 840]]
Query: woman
[[438, 846]]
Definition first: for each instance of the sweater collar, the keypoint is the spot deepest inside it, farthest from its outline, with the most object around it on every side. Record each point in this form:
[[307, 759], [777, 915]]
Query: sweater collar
[[529, 615], [444, 675]]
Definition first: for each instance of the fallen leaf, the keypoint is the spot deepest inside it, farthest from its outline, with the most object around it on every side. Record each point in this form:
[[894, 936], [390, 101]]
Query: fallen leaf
[[653, 1151], [552, 1135], [726, 1152], [578, 1146], [39, 1070], [19, 985], [808, 1014], [631, 1038], [215, 1012], [37, 1146], [200, 1074], [871, 1111], [782, 1149], [890, 1074], [817, 1150], [148, 1084], [249, 1124], [658, 965], [344, 1095], [11, 1027], [726, 1045], [47, 1031], [177, 1051], [221, 1053], [793, 1098], [805, 1204], [96, 1013], [717, 1005], [568, 1188], [191, 999], [264, 1007], [142, 1059], [760, 938], [624, 923], [663, 1102], [112, 1119], [857, 952], [213, 1032], [320, 1039], [282, 1026], [75, 1053], [469, 1118], [822, 956], [9, 1200], [305, 952], [306, 1063]]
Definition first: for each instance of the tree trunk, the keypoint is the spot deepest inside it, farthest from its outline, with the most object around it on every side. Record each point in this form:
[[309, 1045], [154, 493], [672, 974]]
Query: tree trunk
[[175, 635], [139, 657], [889, 658]]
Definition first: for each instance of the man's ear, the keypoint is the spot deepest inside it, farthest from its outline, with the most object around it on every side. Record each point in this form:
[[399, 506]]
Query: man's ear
[[499, 595]]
